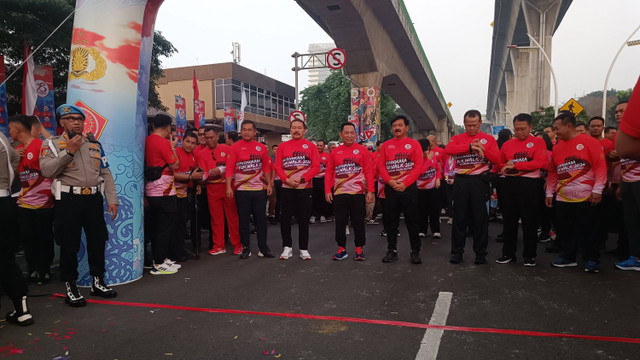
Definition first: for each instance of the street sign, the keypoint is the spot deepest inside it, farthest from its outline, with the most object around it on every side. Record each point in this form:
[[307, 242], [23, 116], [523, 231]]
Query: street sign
[[336, 58], [496, 129], [297, 115], [572, 106], [449, 104]]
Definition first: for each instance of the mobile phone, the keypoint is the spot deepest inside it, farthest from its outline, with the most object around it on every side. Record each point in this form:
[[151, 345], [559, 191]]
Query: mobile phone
[[72, 134]]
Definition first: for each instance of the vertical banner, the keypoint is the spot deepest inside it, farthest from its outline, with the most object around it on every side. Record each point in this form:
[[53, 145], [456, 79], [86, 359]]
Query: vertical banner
[[243, 106], [229, 123], [181, 118], [109, 78], [4, 116], [354, 117], [45, 107], [202, 118], [370, 118], [198, 113]]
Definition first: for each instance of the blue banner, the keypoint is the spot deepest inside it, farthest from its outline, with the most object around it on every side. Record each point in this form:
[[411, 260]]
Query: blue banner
[[4, 118], [45, 107]]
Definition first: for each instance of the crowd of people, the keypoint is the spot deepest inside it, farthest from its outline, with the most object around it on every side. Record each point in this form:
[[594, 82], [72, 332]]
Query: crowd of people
[[562, 186]]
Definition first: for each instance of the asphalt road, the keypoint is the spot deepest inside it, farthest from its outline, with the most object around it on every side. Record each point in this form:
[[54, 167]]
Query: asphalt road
[[489, 298]]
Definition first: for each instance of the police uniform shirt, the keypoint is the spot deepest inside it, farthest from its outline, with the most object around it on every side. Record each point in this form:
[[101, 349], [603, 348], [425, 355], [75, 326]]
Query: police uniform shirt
[[82, 169]]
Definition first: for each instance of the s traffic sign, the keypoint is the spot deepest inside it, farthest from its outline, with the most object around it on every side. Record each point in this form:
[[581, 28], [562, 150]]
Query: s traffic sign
[[336, 58], [297, 115]]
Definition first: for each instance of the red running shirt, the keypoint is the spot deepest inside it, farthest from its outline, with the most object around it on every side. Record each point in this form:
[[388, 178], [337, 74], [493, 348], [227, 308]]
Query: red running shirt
[[530, 157], [472, 164], [630, 123], [36, 189], [324, 159], [430, 172], [349, 170], [158, 152], [248, 161], [209, 159], [187, 165], [578, 169], [400, 160], [297, 159]]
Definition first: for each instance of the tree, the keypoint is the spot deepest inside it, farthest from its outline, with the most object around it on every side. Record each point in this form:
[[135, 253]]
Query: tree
[[621, 95], [544, 116], [328, 105], [31, 21], [459, 129]]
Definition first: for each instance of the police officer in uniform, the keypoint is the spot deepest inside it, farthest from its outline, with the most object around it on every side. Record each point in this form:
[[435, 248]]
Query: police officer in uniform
[[80, 174]]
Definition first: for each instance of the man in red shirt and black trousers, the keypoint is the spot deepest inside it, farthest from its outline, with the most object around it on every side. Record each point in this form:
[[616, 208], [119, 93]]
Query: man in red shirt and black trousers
[[297, 162], [577, 174], [522, 158], [400, 165], [249, 174], [473, 150]]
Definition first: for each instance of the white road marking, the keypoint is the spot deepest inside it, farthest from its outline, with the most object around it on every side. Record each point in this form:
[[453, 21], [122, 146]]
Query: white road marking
[[430, 343]]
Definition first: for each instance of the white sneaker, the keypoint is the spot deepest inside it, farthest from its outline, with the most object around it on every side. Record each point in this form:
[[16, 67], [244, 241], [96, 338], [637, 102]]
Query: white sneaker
[[286, 253], [437, 235], [323, 219], [422, 234], [172, 264], [162, 269], [312, 220], [450, 221], [304, 255]]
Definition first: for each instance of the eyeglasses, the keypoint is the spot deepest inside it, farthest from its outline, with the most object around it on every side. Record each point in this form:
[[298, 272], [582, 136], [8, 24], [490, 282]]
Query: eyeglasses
[[73, 118]]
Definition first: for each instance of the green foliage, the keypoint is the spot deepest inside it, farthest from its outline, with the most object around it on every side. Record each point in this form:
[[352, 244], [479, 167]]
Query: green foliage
[[31, 21], [459, 129], [328, 105], [543, 117], [161, 47], [621, 95]]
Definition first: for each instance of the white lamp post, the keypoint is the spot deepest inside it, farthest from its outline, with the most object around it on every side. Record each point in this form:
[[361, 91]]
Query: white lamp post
[[606, 80]]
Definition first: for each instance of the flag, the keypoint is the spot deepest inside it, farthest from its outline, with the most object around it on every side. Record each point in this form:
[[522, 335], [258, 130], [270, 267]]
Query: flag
[[181, 118], [196, 103], [45, 107], [243, 105], [4, 119], [201, 113], [29, 94], [228, 119]]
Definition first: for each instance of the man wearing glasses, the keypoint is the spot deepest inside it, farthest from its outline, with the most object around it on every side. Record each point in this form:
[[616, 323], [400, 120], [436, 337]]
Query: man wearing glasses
[[81, 175]]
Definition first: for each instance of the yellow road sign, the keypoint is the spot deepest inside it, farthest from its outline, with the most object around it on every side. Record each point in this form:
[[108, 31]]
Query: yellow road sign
[[449, 104], [572, 106]]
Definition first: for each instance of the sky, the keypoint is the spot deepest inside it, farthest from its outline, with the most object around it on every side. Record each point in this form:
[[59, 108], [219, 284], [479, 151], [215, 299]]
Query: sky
[[456, 36]]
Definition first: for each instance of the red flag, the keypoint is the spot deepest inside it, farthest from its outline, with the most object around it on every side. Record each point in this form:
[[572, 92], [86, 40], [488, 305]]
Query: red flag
[[29, 94], [196, 97]]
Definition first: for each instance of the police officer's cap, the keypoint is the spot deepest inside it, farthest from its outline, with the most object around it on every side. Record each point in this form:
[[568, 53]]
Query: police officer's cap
[[161, 120], [68, 109]]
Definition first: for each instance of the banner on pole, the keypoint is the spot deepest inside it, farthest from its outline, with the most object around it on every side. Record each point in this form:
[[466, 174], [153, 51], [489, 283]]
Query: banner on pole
[[45, 107], [181, 118], [229, 123], [243, 105], [365, 113], [4, 118], [200, 118]]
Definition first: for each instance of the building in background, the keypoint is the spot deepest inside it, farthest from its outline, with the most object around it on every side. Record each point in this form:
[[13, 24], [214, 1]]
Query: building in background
[[269, 101], [318, 76]]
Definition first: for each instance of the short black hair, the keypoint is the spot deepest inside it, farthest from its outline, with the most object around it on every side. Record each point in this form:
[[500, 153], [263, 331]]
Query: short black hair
[[596, 118], [609, 128], [161, 120], [523, 117], [581, 124], [471, 114], [298, 120], [233, 135], [273, 146], [319, 140], [347, 124], [25, 120], [190, 134], [424, 144], [249, 122], [210, 128], [566, 118], [622, 102], [398, 117]]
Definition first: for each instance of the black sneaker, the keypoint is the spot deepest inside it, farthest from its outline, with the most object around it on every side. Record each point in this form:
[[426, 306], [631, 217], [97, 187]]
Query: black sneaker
[[22, 316], [246, 252], [415, 257], [392, 255], [480, 260], [456, 259], [383, 233], [267, 253], [504, 259], [530, 262], [99, 288], [73, 297]]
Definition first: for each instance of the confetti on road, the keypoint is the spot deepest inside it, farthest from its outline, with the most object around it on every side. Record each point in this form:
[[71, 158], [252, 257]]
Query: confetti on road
[[235, 337], [262, 339], [168, 354], [277, 356]]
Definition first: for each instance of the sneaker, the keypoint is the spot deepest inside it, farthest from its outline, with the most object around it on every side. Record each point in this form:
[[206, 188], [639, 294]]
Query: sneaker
[[544, 238], [162, 269], [219, 252], [359, 256], [237, 251], [172, 264], [246, 252], [450, 221], [372, 222], [267, 253], [562, 262], [504, 259], [456, 259], [341, 254], [530, 262], [437, 235], [392, 255], [99, 288], [422, 235], [44, 279], [323, 219], [630, 264], [312, 220], [304, 255], [22, 317], [33, 277], [73, 297], [480, 260], [383, 233], [592, 267], [286, 253], [415, 257]]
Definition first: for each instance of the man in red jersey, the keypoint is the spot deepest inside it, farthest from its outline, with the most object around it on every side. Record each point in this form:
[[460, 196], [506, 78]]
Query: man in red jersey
[[577, 175], [441, 157], [522, 159], [319, 205], [35, 202], [297, 162], [349, 173], [607, 206], [399, 165], [473, 151], [184, 176], [160, 152], [428, 184], [213, 162], [249, 174], [596, 126], [628, 145]]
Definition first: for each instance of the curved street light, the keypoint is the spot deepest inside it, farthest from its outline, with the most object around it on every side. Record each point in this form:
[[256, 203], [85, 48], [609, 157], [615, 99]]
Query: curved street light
[[606, 80]]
